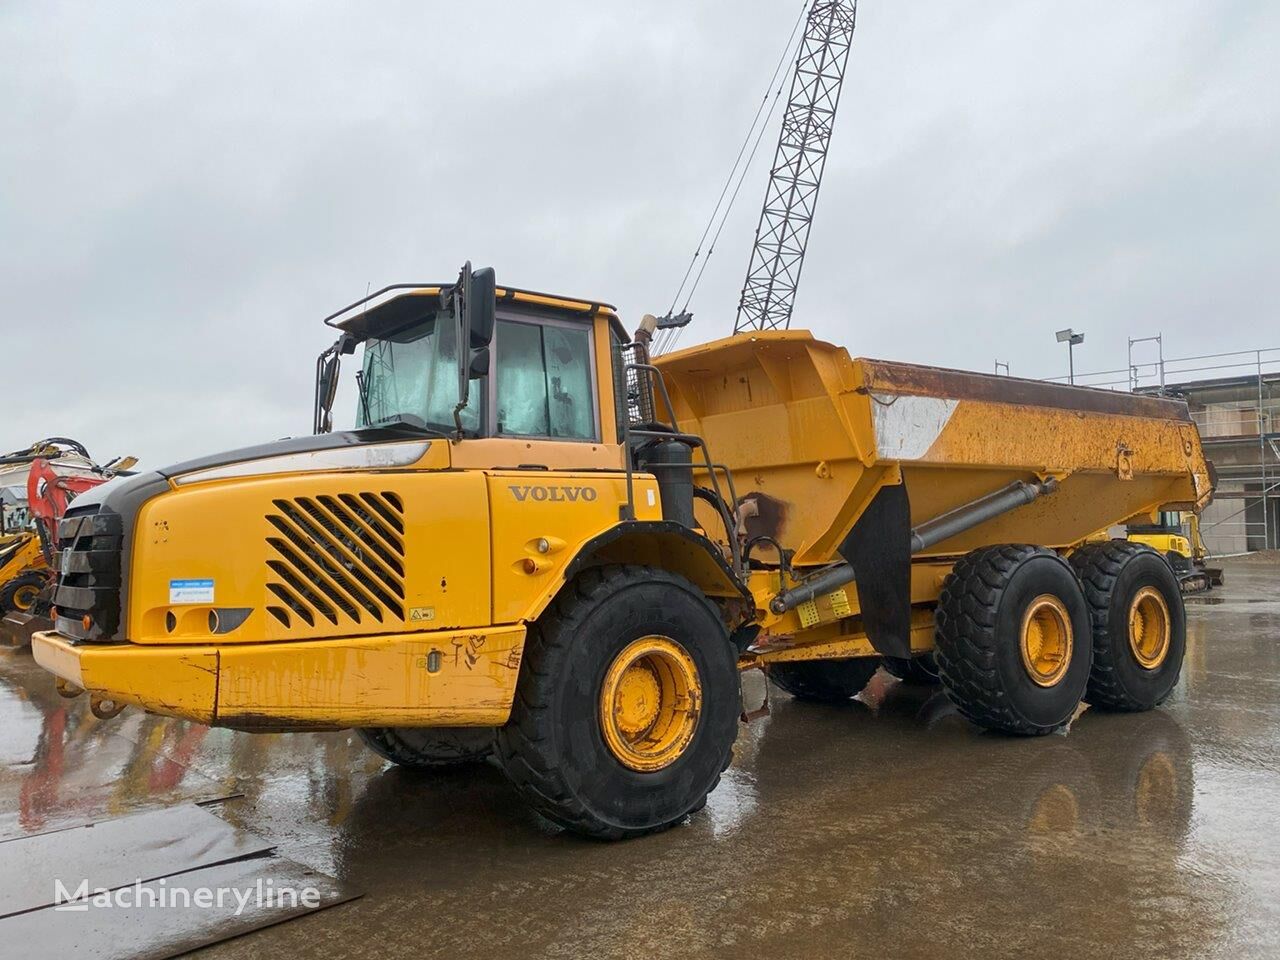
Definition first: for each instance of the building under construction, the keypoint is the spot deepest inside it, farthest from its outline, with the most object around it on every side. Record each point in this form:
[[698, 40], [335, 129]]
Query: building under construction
[[1234, 398], [1239, 421]]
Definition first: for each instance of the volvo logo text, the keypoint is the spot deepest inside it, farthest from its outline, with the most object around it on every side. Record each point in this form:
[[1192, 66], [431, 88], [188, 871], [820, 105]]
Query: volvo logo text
[[523, 492]]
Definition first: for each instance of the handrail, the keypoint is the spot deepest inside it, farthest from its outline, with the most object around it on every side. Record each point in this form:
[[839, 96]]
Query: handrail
[[729, 509]]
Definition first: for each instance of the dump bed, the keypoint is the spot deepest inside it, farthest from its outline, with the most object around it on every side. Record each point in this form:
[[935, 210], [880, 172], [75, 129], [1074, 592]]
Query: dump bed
[[810, 434]]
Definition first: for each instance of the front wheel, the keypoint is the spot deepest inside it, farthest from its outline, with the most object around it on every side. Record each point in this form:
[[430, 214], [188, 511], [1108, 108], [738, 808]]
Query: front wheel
[[627, 705]]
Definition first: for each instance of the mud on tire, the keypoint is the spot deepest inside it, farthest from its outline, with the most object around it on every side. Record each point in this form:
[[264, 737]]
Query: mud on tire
[[554, 747], [980, 627], [429, 748], [1116, 575], [823, 681]]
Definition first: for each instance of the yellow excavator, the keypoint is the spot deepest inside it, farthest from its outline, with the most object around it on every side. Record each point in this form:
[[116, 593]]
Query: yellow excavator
[[22, 571], [1176, 535]]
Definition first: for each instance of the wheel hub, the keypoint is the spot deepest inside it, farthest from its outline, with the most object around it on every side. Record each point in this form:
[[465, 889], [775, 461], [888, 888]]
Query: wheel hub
[[649, 703], [1149, 628], [1047, 640], [24, 597]]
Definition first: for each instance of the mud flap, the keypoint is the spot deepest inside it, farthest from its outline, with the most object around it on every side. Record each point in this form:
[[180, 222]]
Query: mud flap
[[879, 550]]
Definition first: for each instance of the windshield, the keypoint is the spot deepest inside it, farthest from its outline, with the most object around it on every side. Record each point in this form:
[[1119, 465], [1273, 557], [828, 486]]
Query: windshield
[[411, 374]]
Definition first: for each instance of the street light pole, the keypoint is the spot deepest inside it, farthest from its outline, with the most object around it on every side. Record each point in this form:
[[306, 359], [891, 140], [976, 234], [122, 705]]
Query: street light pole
[[1070, 338]]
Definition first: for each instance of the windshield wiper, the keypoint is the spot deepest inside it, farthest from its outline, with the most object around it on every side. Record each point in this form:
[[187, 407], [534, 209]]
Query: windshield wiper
[[364, 394]]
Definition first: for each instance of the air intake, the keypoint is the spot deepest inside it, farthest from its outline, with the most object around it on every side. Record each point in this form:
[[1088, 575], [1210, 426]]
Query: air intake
[[337, 558]]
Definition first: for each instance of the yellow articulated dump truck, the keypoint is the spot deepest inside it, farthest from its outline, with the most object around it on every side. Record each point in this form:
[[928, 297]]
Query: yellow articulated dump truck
[[539, 545]]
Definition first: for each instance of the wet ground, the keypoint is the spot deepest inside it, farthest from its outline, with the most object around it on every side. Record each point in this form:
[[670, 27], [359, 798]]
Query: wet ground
[[885, 828]]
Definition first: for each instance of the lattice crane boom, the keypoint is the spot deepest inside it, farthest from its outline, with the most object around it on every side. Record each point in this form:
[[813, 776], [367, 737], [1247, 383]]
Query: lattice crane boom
[[791, 196]]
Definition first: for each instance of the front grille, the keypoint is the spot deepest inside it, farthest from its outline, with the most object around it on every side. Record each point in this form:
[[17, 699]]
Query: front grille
[[337, 559], [89, 573]]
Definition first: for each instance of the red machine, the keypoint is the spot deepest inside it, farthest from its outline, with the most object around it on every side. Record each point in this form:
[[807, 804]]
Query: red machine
[[48, 495], [60, 470]]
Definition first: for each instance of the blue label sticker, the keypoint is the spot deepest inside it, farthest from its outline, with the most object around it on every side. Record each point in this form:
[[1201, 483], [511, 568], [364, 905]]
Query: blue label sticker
[[191, 591]]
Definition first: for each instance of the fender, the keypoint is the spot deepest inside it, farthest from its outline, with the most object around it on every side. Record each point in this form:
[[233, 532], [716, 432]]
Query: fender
[[669, 546]]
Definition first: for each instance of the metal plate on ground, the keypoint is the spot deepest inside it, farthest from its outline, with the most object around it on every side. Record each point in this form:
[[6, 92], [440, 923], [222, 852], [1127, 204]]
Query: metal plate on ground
[[116, 853], [61, 767], [165, 918]]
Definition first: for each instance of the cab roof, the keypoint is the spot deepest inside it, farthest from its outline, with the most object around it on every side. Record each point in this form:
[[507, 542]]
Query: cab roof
[[391, 306]]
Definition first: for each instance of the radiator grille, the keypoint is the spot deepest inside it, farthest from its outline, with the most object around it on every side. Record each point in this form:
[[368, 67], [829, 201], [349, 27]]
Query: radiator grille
[[89, 573], [337, 558]]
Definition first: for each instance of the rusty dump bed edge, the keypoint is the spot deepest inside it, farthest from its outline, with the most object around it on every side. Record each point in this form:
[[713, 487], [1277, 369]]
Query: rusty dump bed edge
[[838, 429], [885, 376]]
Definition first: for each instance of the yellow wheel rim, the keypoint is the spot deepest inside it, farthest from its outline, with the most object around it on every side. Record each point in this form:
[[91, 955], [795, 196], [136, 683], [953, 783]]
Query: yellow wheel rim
[[1047, 640], [1150, 628], [649, 703], [24, 597]]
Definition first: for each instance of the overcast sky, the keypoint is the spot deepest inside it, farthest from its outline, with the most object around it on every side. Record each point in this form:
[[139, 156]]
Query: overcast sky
[[186, 189]]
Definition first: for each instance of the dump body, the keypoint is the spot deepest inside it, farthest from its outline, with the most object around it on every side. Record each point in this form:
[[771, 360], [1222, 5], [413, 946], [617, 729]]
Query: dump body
[[811, 434]]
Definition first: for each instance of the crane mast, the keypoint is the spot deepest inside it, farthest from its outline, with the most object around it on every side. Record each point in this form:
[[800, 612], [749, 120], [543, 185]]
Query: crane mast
[[783, 231]]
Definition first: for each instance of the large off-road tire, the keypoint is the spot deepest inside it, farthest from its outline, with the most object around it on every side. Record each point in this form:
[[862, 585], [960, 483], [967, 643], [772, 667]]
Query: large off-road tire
[[627, 705], [1139, 624], [20, 593], [430, 748], [920, 671], [824, 681], [1013, 639]]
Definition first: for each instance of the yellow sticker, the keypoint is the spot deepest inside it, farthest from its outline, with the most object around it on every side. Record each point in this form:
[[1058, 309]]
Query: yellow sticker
[[421, 613]]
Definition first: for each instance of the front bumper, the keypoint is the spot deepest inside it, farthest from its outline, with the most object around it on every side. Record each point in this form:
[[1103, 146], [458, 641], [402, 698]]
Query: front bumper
[[440, 678]]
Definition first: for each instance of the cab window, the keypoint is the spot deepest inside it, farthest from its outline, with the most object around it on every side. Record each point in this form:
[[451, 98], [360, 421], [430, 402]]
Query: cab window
[[543, 385]]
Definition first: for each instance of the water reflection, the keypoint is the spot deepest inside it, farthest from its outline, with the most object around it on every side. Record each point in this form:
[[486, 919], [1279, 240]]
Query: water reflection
[[833, 818]]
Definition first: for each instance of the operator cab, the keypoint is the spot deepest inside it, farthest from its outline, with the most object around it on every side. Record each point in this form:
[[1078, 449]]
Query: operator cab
[[533, 365], [1168, 522], [473, 361]]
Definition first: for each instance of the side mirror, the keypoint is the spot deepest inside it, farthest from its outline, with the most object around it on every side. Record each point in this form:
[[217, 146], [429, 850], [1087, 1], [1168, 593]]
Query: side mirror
[[479, 303], [328, 381], [479, 294], [479, 364]]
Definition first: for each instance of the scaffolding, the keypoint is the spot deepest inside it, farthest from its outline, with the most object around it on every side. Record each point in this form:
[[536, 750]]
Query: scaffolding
[[1234, 399]]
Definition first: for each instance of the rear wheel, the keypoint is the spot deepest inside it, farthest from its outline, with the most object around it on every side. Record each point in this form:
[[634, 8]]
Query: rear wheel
[[627, 705], [1013, 646], [429, 748], [1139, 624], [823, 681], [20, 593]]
